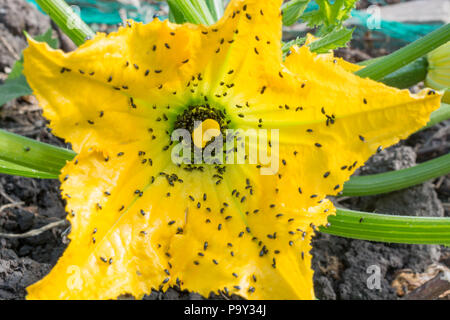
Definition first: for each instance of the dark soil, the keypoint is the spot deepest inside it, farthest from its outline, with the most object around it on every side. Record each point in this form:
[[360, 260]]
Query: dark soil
[[340, 264], [15, 17]]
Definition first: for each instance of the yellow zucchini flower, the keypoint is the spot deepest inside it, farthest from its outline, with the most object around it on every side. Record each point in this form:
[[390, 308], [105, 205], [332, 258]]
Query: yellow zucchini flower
[[141, 220]]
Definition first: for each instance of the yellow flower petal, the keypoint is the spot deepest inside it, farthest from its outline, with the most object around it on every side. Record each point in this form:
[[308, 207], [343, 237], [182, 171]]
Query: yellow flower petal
[[350, 67], [188, 232], [139, 221], [330, 121]]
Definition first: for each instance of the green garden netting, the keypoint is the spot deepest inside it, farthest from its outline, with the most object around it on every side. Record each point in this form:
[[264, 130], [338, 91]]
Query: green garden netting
[[404, 31], [407, 32], [107, 12]]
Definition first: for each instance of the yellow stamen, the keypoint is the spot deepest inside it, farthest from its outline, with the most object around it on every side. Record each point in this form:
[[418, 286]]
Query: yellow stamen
[[205, 132]]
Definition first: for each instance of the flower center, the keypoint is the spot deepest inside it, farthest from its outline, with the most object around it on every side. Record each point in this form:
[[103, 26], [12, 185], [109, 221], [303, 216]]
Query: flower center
[[203, 122], [205, 132]]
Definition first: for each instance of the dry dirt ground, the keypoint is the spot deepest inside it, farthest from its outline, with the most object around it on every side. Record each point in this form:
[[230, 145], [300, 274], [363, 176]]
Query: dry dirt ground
[[340, 264]]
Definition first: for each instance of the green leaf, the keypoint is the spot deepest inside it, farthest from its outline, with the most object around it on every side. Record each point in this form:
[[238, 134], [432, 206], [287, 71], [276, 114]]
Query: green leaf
[[293, 10], [48, 38], [329, 16], [335, 39], [389, 228], [16, 70], [288, 45], [345, 13], [14, 88], [313, 18], [16, 84]]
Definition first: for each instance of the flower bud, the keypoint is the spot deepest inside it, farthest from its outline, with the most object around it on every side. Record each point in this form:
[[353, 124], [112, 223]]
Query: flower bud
[[438, 76]]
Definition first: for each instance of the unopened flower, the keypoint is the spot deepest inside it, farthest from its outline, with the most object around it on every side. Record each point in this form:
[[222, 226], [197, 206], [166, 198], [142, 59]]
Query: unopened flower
[[438, 76]]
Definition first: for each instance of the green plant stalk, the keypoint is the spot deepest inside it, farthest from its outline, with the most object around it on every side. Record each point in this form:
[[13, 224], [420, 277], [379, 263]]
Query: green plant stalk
[[204, 10], [216, 7], [369, 61], [171, 16], [389, 228], [175, 15], [188, 10], [18, 170], [69, 22], [28, 153], [397, 180], [400, 58]]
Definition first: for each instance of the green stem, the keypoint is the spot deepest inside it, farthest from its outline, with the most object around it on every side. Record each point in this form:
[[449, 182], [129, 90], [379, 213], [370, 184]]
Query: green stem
[[387, 65], [13, 169], [69, 22], [20, 153], [175, 15], [397, 180], [216, 7], [189, 12], [203, 9], [389, 228]]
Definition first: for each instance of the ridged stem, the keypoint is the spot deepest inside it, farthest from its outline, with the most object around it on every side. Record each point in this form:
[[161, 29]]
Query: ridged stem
[[397, 180], [69, 22], [389, 228], [400, 58]]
